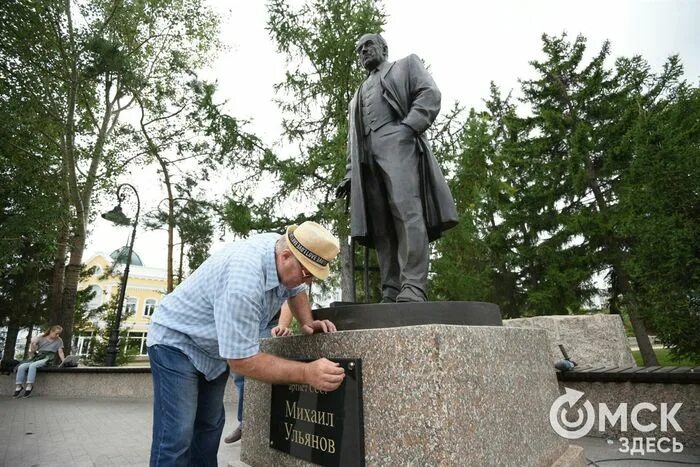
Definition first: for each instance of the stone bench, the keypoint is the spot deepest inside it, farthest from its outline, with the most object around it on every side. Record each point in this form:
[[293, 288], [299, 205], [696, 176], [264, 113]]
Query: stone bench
[[633, 374], [84, 382]]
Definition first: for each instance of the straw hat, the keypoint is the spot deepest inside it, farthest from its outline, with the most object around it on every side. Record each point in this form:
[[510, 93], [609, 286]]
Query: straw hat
[[313, 246]]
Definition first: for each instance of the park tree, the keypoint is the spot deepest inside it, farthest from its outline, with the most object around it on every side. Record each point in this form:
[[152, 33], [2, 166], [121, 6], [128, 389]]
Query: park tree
[[579, 184], [479, 259], [24, 287], [80, 65], [577, 153], [660, 211], [196, 230], [318, 41], [191, 137], [30, 211], [193, 219], [171, 141]]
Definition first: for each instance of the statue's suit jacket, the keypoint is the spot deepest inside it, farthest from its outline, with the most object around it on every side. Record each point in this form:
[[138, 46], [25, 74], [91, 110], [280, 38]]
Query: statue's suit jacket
[[411, 92]]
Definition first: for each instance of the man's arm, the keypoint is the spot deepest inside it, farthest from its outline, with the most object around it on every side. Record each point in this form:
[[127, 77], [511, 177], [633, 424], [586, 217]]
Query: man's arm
[[322, 374], [425, 106], [286, 315], [344, 188], [282, 328], [301, 309]]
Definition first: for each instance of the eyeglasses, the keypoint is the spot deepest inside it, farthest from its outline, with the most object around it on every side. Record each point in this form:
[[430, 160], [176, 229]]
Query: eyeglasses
[[305, 274]]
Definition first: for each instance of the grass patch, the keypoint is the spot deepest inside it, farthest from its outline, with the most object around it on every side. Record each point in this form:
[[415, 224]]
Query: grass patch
[[664, 358]]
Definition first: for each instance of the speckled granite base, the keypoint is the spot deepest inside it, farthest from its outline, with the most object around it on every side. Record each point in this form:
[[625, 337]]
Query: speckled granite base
[[588, 339], [433, 395], [573, 457]]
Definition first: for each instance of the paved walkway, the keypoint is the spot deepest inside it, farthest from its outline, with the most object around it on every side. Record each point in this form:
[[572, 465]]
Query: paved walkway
[[48, 431]]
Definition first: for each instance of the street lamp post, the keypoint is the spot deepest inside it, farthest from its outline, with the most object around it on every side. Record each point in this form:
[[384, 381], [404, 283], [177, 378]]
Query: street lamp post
[[116, 216]]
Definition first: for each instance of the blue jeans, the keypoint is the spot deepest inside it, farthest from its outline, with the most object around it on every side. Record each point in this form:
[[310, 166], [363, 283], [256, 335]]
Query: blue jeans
[[27, 371], [188, 410], [239, 380]]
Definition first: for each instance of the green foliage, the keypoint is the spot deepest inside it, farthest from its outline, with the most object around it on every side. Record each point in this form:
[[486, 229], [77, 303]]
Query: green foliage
[[196, 230], [295, 327], [660, 208], [30, 207], [85, 316], [318, 40], [472, 262], [200, 130], [238, 215], [24, 287], [69, 69], [666, 358], [99, 343], [595, 175], [677, 326]]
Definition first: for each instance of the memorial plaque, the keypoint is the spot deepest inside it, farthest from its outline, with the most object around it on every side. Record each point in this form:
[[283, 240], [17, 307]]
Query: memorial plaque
[[325, 428]]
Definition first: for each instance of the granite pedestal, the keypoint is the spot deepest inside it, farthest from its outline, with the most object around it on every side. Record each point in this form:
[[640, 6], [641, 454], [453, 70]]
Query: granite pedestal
[[588, 339], [433, 395]]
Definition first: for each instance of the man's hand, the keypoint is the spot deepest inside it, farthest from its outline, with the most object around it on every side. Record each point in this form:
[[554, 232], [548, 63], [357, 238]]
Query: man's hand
[[410, 128], [343, 189], [324, 375], [318, 326], [281, 331], [321, 374]]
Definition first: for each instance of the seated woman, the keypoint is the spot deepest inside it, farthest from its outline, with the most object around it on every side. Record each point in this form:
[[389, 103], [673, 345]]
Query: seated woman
[[42, 351]]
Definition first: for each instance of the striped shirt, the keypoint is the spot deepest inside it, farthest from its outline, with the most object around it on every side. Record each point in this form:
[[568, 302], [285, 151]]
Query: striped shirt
[[218, 311]]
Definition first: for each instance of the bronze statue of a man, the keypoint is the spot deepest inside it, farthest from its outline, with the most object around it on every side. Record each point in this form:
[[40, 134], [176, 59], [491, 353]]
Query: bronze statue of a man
[[398, 196]]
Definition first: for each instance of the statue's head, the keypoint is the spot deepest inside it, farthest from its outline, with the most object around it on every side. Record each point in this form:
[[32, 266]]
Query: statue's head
[[372, 50]]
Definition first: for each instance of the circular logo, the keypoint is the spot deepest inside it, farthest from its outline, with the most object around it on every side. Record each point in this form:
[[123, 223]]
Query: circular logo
[[560, 420]]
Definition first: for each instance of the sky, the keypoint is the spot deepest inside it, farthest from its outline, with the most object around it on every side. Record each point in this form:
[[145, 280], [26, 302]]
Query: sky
[[466, 44]]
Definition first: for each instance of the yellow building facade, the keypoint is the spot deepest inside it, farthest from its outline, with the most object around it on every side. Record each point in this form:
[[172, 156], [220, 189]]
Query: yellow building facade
[[145, 290]]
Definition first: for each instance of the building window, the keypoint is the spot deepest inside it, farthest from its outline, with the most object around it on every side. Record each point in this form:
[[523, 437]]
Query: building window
[[130, 307], [97, 298], [150, 307], [136, 341], [81, 343], [97, 271]]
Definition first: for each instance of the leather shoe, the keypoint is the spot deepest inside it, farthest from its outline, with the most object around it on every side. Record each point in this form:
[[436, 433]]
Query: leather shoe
[[235, 436], [410, 294]]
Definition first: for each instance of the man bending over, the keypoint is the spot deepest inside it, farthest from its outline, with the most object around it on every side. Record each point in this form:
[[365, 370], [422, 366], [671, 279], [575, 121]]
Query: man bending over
[[211, 323]]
